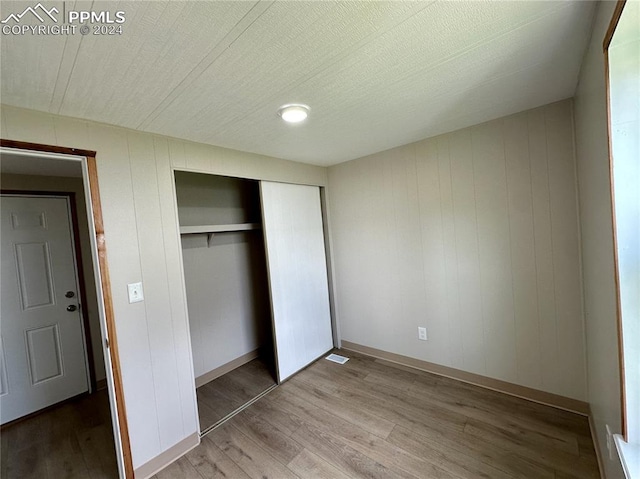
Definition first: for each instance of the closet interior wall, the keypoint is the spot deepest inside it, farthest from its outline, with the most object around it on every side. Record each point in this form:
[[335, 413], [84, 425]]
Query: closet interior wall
[[225, 273]]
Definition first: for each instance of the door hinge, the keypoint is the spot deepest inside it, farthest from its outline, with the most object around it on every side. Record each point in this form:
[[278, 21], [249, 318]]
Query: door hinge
[[106, 343]]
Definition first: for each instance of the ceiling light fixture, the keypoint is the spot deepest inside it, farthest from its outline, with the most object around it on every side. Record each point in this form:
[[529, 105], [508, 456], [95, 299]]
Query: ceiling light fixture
[[294, 113]]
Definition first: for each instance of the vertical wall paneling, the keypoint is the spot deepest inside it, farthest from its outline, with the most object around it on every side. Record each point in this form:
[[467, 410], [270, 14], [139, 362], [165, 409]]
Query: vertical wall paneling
[[176, 153], [494, 248], [197, 157], [566, 247], [408, 262], [523, 258], [171, 242], [25, 125], [464, 251], [69, 131], [140, 221], [433, 257], [546, 288], [121, 236], [484, 220], [154, 279]]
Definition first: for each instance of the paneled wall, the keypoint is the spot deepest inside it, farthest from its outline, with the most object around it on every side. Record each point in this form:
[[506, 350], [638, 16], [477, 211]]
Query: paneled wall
[[473, 234], [141, 225], [596, 224]]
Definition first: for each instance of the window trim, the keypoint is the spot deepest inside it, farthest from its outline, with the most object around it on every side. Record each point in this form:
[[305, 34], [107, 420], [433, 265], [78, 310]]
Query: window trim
[[617, 13]]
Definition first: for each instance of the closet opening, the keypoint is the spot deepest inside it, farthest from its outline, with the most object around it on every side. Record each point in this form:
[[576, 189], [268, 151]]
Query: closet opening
[[227, 290]]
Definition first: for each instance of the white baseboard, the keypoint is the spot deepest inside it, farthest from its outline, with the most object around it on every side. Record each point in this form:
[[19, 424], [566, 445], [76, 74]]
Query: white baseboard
[[167, 457], [225, 368]]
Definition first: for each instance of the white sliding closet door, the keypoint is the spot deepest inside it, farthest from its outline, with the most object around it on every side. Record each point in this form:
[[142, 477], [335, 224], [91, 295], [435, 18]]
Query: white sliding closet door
[[296, 260]]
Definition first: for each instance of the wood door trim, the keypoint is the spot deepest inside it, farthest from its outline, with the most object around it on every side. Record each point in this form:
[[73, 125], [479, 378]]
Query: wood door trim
[[615, 18], [82, 293], [105, 286], [25, 145]]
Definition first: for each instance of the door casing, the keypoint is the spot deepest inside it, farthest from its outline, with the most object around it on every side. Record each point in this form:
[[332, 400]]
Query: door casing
[[103, 287]]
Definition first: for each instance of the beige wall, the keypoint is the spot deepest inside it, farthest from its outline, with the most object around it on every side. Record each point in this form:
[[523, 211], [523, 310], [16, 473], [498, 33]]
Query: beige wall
[[141, 229], [592, 156], [473, 234], [226, 277], [71, 185]]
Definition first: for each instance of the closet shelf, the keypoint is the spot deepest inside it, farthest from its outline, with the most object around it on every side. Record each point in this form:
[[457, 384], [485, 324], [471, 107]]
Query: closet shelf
[[199, 229], [211, 230]]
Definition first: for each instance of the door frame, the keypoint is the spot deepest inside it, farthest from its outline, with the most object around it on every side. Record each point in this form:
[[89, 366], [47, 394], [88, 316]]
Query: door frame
[[78, 266], [103, 287]]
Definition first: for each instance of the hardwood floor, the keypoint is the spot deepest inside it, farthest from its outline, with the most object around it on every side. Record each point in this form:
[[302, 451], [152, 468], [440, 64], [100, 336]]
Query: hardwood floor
[[369, 418], [72, 440], [223, 395]]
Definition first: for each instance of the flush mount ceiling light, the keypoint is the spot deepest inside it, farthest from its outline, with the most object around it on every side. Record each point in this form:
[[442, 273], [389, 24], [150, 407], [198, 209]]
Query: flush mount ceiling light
[[294, 113]]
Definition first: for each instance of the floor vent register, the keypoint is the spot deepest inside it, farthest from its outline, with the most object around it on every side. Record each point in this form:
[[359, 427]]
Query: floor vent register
[[336, 358]]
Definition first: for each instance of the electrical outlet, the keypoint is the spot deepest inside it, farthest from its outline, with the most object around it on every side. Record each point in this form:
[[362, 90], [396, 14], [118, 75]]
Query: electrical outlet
[[422, 333], [135, 292], [610, 445]]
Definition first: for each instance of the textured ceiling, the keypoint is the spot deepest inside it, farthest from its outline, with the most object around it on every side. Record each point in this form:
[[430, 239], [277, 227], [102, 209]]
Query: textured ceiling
[[375, 74]]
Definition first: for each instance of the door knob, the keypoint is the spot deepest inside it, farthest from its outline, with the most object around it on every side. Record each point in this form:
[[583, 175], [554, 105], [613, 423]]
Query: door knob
[[69, 294], [72, 307]]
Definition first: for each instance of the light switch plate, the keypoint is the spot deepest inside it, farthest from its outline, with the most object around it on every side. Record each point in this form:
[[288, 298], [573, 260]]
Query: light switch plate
[[135, 292]]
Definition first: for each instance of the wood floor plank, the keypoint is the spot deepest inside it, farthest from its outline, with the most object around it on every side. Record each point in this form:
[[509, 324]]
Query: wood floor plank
[[223, 395], [206, 415], [259, 372], [181, 468], [284, 420], [212, 463], [374, 419], [343, 456], [71, 440], [465, 466], [277, 443], [422, 376], [309, 465], [66, 459], [29, 464], [392, 405], [392, 390], [98, 451], [249, 380], [515, 406], [252, 458], [350, 411], [511, 441], [586, 446], [4, 454], [377, 379], [370, 445], [453, 444], [537, 431]]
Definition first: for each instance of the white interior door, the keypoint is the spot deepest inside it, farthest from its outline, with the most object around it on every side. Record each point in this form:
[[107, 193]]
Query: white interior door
[[296, 260], [43, 358]]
